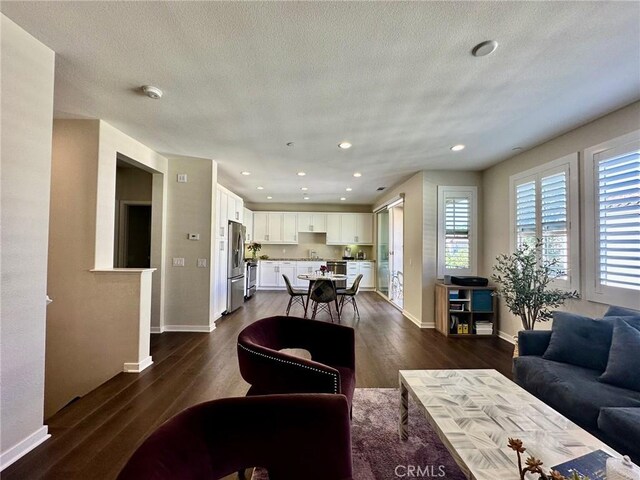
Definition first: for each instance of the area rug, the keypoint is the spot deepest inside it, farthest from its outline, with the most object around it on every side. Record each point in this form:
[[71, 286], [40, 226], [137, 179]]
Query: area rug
[[378, 452]]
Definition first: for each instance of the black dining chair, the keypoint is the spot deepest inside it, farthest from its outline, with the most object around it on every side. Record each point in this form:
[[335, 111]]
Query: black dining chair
[[295, 296], [323, 294], [349, 295]]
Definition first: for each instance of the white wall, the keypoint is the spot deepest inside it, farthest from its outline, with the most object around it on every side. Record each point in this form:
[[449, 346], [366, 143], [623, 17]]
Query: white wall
[[495, 181], [25, 122]]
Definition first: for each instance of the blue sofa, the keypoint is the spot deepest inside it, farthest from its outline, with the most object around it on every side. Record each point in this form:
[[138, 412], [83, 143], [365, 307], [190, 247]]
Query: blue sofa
[[564, 372]]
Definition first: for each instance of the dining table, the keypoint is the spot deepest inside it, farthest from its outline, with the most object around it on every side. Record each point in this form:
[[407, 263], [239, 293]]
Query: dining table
[[313, 277]]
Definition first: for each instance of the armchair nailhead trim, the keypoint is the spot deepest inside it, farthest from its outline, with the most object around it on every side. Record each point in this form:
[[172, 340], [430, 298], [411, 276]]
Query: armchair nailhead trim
[[335, 377]]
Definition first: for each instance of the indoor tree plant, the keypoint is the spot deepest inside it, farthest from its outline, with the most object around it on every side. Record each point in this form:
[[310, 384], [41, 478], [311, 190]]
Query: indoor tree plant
[[523, 280]]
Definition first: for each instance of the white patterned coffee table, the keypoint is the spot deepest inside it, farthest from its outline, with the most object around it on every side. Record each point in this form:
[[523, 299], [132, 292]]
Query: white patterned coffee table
[[474, 412]]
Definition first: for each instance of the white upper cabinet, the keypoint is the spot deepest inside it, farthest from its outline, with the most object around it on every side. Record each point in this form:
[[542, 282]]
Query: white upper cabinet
[[221, 213], [312, 222], [349, 229], [229, 206], [247, 221], [275, 227]]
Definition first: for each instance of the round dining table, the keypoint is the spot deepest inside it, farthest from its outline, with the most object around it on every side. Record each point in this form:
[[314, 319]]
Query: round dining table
[[312, 277]]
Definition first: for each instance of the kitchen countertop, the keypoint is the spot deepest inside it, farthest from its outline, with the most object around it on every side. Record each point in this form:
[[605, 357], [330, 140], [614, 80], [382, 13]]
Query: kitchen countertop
[[312, 260]]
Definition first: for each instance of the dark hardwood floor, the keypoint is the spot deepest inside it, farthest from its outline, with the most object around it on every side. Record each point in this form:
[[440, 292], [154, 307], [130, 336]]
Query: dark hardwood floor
[[93, 437]]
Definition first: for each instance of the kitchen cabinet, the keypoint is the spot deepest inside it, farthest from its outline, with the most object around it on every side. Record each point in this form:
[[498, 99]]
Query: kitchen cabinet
[[268, 274], [367, 269], [350, 229], [275, 227], [287, 268], [220, 289], [229, 206], [247, 221], [312, 222], [305, 268]]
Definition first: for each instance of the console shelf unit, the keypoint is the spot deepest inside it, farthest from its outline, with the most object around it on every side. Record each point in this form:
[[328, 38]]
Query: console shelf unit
[[456, 305]]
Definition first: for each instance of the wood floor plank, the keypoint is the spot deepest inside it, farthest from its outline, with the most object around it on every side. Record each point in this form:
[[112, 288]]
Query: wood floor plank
[[94, 436]]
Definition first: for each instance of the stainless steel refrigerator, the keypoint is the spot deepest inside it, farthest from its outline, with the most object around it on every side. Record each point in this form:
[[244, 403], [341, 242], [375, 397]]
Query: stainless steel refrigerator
[[235, 267]]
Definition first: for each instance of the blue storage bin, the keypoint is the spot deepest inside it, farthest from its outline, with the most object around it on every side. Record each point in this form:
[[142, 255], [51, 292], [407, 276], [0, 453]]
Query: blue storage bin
[[482, 301]]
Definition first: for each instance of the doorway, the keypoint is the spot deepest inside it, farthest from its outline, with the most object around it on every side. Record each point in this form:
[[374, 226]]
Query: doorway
[[135, 235], [390, 252]]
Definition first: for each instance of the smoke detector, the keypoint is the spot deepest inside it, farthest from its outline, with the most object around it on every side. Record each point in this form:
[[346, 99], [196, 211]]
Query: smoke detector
[[152, 92]]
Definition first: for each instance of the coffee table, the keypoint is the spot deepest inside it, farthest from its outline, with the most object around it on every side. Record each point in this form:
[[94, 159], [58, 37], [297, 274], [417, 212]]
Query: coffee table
[[474, 412]]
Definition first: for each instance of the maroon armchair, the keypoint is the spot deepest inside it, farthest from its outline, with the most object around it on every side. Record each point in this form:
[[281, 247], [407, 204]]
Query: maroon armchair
[[331, 369], [289, 435]]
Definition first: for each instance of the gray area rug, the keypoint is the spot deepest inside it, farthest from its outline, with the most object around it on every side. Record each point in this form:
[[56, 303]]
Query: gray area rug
[[378, 452]]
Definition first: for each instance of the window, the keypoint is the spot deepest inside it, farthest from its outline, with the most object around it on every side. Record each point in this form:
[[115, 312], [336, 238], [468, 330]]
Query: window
[[456, 231], [544, 203], [612, 221]]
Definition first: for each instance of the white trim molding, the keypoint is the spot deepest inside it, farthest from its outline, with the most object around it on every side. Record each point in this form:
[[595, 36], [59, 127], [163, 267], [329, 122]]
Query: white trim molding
[[459, 192], [190, 328], [418, 322], [25, 446], [155, 330], [137, 367], [507, 337]]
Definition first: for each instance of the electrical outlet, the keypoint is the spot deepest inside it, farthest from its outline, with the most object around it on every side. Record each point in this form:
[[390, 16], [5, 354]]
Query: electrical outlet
[[193, 236], [202, 263], [178, 262]]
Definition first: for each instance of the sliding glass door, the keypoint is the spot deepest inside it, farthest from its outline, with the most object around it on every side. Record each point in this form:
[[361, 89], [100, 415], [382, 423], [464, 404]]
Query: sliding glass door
[[390, 252], [383, 278]]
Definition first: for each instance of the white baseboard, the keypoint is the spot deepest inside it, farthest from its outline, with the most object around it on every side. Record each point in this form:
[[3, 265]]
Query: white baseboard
[[157, 330], [137, 367], [25, 446], [418, 322], [505, 336], [190, 328]]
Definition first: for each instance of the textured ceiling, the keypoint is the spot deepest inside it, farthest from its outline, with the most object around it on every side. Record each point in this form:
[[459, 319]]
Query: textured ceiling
[[395, 79]]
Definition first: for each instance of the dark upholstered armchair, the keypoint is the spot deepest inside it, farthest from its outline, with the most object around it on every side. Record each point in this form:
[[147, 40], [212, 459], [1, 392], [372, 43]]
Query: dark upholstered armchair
[[331, 368], [289, 435]]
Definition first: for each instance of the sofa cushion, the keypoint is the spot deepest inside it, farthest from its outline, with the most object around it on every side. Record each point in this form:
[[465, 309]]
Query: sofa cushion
[[623, 426], [621, 312], [573, 391], [624, 358], [580, 341]]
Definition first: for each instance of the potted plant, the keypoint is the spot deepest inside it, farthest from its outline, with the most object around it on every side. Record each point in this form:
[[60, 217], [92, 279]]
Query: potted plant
[[524, 279], [254, 248]]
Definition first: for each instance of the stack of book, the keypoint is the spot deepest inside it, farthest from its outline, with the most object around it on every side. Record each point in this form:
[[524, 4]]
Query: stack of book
[[484, 328]]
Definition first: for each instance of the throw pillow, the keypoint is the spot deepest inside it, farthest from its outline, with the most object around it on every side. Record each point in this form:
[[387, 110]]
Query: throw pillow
[[580, 341], [621, 312], [624, 358]]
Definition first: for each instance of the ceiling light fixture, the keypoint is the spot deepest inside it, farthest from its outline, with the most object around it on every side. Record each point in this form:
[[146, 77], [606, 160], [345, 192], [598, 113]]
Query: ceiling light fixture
[[357, 174], [457, 148], [260, 188], [290, 144], [344, 145], [301, 174], [304, 189], [306, 198], [152, 92], [342, 198], [245, 173], [348, 189], [269, 197], [484, 48]]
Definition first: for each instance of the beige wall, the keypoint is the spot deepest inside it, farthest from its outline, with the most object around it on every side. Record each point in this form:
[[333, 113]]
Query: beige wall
[[133, 184], [495, 181], [26, 115], [94, 323], [191, 209]]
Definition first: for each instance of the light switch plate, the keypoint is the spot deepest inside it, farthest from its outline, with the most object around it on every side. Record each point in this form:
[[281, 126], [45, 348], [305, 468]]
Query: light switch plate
[[202, 263], [182, 178], [178, 262]]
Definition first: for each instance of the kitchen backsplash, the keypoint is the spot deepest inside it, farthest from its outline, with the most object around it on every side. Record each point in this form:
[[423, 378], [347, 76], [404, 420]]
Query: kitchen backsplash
[[308, 242]]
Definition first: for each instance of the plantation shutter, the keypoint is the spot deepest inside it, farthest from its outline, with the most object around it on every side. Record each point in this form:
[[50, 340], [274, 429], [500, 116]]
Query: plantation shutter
[[456, 239], [526, 213], [553, 221], [618, 218]]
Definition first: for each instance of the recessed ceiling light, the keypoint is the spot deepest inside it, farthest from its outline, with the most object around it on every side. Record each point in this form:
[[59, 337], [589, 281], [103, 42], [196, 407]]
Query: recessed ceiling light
[[516, 149], [304, 189], [457, 148], [301, 174], [306, 198], [348, 189], [245, 173], [344, 145], [260, 188], [342, 198], [484, 48], [152, 92], [269, 197], [357, 174]]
